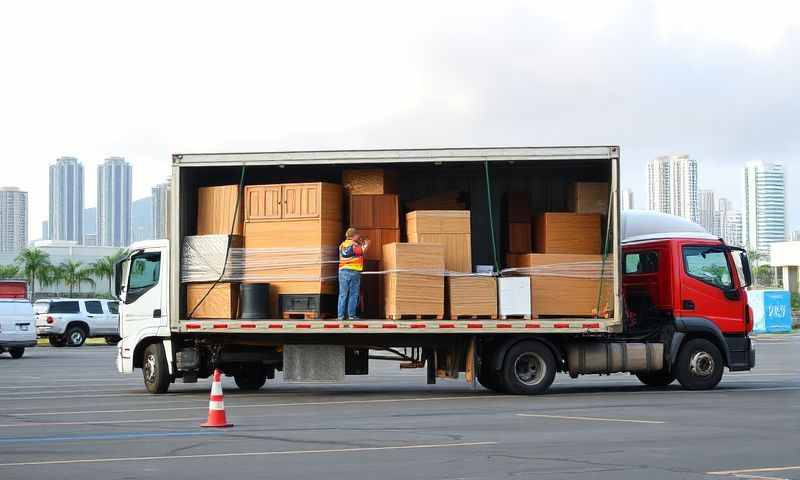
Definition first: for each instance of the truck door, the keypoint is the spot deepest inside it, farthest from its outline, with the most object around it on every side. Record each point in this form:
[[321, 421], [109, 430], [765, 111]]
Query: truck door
[[708, 288], [141, 297]]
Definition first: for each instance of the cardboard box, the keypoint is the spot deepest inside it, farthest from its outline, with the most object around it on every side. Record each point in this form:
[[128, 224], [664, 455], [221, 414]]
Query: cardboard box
[[514, 297], [471, 296], [369, 181], [222, 301], [374, 211], [519, 238], [215, 210], [589, 197], [203, 258], [414, 284], [450, 228], [371, 301], [557, 288], [568, 233]]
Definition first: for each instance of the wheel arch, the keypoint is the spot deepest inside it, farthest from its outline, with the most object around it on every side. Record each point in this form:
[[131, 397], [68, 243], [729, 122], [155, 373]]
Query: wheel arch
[[79, 323], [141, 346], [688, 328], [501, 348]]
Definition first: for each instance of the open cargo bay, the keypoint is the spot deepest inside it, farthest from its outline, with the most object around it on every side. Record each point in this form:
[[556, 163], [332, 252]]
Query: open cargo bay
[[501, 191]]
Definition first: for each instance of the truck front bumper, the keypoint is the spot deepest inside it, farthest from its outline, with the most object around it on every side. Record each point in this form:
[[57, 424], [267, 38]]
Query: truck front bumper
[[124, 357]]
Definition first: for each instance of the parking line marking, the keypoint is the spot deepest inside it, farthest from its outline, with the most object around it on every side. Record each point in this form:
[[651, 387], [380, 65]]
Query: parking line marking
[[102, 422], [748, 471], [594, 419], [249, 454], [109, 436]]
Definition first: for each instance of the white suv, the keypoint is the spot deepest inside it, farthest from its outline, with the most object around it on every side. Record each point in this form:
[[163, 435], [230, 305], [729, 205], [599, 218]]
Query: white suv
[[16, 326], [69, 321]]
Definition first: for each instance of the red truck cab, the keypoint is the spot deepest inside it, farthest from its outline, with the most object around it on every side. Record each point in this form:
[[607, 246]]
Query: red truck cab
[[687, 284]]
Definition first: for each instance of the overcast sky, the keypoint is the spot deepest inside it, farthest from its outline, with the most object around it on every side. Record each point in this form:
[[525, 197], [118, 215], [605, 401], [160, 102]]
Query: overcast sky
[[717, 80]]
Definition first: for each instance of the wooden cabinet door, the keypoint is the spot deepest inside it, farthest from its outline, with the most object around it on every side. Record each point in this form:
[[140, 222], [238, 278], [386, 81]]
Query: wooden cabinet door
[[361, 211], [301, 200], [386, 211], [263, 203]]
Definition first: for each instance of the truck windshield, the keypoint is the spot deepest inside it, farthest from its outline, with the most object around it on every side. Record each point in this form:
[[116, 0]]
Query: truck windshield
[[709, 265]]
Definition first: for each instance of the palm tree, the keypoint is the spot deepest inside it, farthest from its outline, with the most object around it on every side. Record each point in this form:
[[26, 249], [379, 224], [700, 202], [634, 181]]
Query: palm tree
[[9, 271], [74, 274], [104, 266], [33, 262]]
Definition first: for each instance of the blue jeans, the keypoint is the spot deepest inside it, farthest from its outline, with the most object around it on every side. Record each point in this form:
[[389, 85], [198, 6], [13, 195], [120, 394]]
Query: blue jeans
[[349, 286]]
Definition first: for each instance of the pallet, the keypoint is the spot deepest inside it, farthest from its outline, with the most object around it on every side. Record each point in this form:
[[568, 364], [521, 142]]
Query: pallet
[[305, 315], [416, 316], [518, 317], [475, 317]]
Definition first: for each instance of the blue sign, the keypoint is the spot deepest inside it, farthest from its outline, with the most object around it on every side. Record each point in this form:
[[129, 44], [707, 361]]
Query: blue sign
[[772, 311]]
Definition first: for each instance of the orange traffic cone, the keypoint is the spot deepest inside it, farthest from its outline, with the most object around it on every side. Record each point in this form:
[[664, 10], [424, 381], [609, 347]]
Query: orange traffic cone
[[216, 405]]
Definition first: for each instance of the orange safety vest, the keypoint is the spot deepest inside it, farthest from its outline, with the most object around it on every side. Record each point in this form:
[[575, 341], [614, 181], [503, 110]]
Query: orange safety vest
[[351, 256]]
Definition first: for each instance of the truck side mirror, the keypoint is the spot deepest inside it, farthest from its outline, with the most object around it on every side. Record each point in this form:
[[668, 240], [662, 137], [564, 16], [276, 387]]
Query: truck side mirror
[[748, 275], [119, 271]]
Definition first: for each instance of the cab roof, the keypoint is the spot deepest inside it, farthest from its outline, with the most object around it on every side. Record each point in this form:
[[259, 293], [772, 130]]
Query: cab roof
[[641, 225]]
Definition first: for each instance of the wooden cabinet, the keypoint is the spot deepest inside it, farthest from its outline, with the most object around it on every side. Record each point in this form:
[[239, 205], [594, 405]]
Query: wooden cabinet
[[263, 203], [374, 211], [292, 201]]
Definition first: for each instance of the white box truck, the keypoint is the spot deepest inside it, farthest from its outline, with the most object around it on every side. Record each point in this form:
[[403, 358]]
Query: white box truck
[[655, 327]]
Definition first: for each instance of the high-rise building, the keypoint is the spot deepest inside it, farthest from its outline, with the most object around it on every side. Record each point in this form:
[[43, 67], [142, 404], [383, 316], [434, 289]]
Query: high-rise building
[[114, 191], [720, 216], [45, 230], [733, 228], [65, 221], [796, 236], [13, 219], [708, 210], [672, 186], [764, 215], [627, 199], [160, 194]]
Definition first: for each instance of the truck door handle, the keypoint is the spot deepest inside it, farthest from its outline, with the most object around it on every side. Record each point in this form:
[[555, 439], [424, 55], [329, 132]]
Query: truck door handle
[[157, 313], [688, 304]]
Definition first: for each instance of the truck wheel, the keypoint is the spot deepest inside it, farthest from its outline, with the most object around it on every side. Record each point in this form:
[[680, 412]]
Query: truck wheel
[[17, 352], [154, 369], [75, 336], [251, 378], [656, 379], [528, 369], [488, 377], [699, 365], [57, 340]]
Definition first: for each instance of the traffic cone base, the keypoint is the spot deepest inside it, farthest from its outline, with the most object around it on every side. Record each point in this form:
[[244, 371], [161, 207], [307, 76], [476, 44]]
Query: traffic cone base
[[216, 405]]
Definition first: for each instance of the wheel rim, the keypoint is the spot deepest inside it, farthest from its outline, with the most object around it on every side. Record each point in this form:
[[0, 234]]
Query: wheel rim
[[76, 337], [702, 364], [149, 369], [529, 368]]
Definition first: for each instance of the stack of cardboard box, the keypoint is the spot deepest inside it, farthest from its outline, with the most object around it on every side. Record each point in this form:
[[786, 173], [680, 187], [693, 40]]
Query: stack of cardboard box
[[414, 284], [450, 228], [518, 239], [217, 212]]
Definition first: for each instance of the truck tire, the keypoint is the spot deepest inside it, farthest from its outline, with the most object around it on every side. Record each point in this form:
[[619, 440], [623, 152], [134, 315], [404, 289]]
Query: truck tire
[[251, 378], [75, 336], [699, 365], [154, 369], [16, 352], [528, 369], [488, 377], [57, 340], [656, 379]]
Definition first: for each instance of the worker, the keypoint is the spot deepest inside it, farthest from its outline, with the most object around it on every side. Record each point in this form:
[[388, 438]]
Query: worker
[[351, 263]]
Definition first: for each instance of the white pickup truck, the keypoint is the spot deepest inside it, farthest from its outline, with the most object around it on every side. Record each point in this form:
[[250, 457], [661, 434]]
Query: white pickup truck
[[70, 321]]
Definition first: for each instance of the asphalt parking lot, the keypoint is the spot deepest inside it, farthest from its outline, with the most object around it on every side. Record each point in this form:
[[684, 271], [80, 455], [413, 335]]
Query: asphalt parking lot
[[67, 413]]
